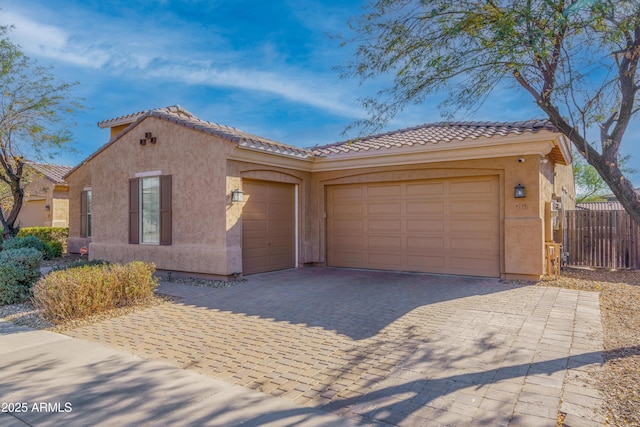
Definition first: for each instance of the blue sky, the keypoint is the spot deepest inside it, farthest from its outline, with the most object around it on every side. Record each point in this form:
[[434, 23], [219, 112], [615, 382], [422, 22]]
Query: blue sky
[[266, 67]]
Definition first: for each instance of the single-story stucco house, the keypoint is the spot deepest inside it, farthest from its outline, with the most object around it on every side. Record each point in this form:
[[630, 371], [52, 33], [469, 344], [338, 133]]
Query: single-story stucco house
[[46, 202], [198, 197]]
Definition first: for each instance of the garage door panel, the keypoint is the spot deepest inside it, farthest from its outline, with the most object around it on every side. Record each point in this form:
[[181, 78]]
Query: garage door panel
[[479, 226], [384, 209], [347, 209], [384, 260], [478, 207], [268, 227], [425, 189], [384, 242], [422, 207], [473, 244], [346, 259], [425, 243], [348, 242], [383, 191], [347, 225], [443, 226], [387, 224], [435, 264], [471, 187], [349, 193], [425, 225]]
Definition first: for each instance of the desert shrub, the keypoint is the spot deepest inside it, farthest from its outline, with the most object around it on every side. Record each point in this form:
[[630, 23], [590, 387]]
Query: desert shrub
[[19, 269], [80, 263], [80, 292]]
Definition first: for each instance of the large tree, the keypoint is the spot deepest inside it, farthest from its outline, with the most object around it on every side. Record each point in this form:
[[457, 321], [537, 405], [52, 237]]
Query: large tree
[[577, 59], [33, 112]]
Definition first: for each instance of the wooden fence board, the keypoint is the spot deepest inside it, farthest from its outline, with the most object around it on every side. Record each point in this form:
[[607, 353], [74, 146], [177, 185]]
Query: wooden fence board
[[602, 239]]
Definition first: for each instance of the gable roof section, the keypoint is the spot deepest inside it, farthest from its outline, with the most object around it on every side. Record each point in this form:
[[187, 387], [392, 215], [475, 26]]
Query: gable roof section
[[180, 116], [54, 173], [434, 133]]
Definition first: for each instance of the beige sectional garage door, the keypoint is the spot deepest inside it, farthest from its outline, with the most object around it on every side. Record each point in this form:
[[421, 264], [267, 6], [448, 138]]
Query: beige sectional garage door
[[268, 227], [439, 226]]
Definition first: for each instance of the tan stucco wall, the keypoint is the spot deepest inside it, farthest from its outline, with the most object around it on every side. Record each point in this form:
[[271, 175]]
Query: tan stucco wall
[[41, 192], [197, 164], [60, 207]]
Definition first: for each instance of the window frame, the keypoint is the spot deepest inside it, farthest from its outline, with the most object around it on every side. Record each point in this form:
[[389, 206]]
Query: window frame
[[135, 209], [86, 198]]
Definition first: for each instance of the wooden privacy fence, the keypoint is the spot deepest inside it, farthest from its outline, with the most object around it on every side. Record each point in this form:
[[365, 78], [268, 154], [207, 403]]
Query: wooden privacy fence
[[602, 239]]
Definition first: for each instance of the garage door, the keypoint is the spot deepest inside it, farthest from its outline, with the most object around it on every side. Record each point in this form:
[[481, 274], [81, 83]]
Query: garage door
[[438, 226], [268, 227]]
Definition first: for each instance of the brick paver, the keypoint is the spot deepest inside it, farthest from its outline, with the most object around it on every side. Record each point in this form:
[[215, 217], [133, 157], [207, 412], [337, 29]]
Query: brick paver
[[402, 349]]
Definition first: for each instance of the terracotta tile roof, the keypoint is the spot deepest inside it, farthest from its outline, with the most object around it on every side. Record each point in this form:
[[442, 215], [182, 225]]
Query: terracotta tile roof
[[434, 133], [54, 173], [600, 206], [179, 115]]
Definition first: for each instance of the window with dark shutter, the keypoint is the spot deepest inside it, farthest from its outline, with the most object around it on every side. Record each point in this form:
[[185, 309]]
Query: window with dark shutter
[[134, 207], [150, 218], [165, 210]]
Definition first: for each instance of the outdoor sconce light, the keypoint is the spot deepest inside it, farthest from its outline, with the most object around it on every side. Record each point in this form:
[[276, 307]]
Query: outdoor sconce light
[[47, 207], [237, 195], [519, 194]]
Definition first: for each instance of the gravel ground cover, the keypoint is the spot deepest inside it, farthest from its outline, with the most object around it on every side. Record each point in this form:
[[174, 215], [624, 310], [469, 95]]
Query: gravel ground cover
[[619, 303]]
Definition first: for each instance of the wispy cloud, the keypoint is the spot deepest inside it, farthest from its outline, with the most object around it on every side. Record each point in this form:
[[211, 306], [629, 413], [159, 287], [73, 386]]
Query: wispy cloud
[[291, 85], [162, 55]]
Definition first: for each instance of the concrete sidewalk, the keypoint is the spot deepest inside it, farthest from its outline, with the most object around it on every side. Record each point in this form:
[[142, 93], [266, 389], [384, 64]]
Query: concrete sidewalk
[[49, 379]]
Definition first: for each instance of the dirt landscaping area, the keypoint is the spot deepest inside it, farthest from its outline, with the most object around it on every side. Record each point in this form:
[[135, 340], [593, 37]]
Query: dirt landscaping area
[[620, 308]]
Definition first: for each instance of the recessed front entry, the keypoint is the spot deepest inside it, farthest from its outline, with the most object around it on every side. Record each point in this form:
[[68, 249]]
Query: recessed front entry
[[268, 227], [448, 226]]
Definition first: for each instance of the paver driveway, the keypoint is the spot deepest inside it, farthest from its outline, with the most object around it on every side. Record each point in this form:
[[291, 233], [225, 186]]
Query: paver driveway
[[402, 349]]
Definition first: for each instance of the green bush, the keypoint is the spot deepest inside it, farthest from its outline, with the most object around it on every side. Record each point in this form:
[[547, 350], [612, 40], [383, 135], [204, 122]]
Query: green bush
[[53, 250], [46, 234], [24, 242], [19, 269], [49, 250], [80, 292]]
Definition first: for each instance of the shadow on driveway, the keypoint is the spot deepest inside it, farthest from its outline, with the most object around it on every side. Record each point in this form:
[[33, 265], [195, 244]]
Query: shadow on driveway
[[355, 303]]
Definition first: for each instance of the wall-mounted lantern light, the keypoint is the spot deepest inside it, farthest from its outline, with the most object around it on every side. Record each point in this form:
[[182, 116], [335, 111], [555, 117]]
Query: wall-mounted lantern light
[[47, 207], [237, 195], [519, 193]]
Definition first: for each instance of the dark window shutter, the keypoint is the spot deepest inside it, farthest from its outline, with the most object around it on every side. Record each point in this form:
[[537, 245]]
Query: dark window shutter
[[165, 210], [83, 214], [134, 207]]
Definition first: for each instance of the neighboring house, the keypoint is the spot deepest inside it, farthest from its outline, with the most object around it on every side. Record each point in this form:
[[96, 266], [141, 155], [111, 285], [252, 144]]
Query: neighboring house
[[600, 206], [435, 198], [46, 202]]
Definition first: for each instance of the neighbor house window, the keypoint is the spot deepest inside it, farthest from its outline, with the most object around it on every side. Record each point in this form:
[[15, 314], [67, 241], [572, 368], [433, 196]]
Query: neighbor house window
[[150, 210], [85, 213]]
